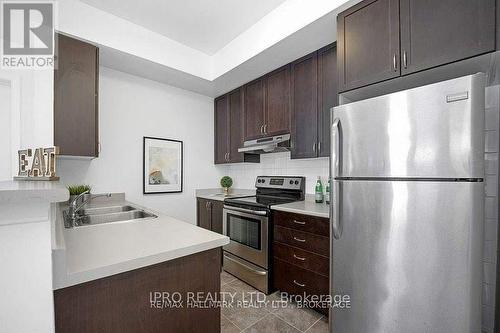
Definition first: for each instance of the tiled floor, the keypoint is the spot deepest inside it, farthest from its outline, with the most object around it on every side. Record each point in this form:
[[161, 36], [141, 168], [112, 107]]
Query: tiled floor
[[268, 317]]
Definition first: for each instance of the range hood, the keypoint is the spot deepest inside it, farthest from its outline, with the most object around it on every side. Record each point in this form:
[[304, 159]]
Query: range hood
[[272, 144]]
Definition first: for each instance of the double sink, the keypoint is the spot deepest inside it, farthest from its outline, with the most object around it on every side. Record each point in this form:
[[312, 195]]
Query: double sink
[[106, 214]]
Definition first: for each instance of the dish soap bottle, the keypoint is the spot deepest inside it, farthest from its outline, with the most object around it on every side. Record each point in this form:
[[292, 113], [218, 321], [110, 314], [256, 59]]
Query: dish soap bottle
[[318, 191], [327, 191]]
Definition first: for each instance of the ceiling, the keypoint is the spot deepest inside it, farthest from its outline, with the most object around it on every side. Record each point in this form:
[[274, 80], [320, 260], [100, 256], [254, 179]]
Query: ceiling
[[200, 24]]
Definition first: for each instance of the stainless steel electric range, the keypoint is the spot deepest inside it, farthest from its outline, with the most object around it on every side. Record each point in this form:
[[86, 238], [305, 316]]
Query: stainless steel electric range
[[248, 224]]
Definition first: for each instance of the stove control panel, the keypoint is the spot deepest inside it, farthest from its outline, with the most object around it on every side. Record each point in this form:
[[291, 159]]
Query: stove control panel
[[280, 182]]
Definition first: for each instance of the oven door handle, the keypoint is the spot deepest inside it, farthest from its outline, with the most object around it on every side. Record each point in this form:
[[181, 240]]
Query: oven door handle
[[246, 266], [248, 211]]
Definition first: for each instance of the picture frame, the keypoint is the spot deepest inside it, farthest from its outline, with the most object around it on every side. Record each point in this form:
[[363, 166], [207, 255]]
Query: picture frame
[[162, 165]]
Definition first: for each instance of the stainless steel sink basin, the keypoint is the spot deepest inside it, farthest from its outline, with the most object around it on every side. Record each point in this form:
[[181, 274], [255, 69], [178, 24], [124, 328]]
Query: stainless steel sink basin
[[107, 214], [107, 210], [114, 217]]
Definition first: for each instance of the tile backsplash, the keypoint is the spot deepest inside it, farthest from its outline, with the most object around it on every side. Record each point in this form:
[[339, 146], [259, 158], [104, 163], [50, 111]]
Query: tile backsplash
[[278, 164]]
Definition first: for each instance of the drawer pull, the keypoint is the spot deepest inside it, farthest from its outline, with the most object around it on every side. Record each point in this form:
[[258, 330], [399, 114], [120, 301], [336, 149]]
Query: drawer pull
[[299, 239], [299, 284], [299, 222], [299, 258]]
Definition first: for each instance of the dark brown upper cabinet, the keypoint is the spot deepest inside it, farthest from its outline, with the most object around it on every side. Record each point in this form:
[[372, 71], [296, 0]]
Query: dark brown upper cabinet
[[229, 129], [327, 95], [76, 98], [267, 105], [235, 125], [254, 116], [277, 99], [314, 93], [382, 39], [305, 107], [295, 99], [368, 43], [434, 33], [222, 137]]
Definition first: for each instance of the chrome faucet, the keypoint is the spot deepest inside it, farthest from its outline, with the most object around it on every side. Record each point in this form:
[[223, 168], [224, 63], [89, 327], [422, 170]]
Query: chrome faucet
[[74, 207]]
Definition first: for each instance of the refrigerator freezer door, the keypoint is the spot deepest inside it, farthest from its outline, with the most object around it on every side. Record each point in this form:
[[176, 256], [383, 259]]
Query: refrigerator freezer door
[[434, 131], [409, 257]]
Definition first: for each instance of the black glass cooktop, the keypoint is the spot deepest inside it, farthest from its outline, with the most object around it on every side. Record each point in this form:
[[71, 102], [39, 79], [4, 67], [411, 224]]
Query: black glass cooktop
[[264, 201]]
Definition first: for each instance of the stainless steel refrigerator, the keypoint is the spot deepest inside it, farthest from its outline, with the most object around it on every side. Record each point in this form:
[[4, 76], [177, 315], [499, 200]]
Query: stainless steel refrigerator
[[407, 210]]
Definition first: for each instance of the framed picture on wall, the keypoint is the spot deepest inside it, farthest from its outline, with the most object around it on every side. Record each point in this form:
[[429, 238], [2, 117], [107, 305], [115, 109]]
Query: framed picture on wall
[[162, 165]]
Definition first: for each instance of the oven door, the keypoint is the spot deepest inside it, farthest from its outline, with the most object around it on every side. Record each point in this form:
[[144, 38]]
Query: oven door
[[248, 233]]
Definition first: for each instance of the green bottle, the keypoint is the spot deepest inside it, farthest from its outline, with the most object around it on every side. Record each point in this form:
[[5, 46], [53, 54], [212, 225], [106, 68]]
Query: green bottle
[[327, 191], [319, 191]]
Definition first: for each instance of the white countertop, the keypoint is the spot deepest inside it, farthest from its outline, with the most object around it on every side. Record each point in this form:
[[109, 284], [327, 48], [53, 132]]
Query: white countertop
[[307, 207], [91, 252], [13, 191], [218, 194]]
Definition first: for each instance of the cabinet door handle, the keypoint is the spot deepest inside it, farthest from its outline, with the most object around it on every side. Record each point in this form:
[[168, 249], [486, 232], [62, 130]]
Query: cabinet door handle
[[261, 129], [405, 60], [299, 239], [394, 62], [299, 284], [299, 222], [319, 146], [265, 128], [298, 258], [314, 147]]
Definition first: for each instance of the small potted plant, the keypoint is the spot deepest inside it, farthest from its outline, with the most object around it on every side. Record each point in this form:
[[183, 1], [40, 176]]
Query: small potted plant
[[226, 182], [75, 190]]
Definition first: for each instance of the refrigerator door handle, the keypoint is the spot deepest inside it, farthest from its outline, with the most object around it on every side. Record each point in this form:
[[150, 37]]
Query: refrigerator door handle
[[336, 164]]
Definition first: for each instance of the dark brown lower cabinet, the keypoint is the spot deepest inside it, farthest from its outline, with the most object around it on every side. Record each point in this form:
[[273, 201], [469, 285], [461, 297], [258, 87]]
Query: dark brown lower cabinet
[[301, 261], [298, 281], [209, 214], [217, 208], [203, 214], [122, 303]]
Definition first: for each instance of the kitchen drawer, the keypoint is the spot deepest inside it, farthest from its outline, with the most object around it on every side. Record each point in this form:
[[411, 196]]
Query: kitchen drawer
[[304, 259], [307, 223], [302, 240], [297, 281]]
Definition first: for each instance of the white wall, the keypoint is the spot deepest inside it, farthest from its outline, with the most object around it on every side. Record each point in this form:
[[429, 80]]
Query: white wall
[[5, 131], [31, 113], [278, 164], [130, 108]]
